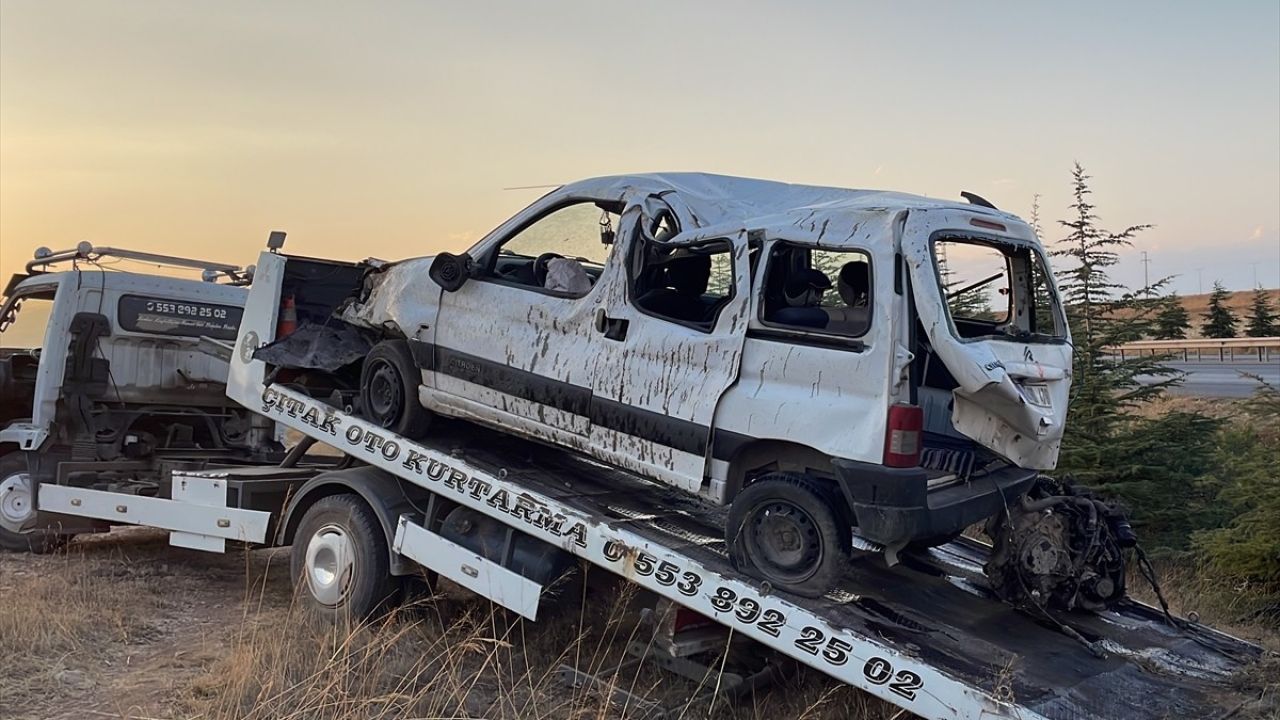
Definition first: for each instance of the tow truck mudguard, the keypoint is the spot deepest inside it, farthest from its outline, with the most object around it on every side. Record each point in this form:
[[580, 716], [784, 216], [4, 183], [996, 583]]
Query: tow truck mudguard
[[894, 507], [388, 495]]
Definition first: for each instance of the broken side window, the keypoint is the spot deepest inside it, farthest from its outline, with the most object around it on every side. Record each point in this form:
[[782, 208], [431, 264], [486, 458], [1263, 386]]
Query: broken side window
[[563, 251], [686, 284], [994, 288], [817, 290]]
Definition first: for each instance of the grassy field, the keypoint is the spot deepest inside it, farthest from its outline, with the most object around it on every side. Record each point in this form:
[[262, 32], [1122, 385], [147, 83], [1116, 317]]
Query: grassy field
[[125, 626]]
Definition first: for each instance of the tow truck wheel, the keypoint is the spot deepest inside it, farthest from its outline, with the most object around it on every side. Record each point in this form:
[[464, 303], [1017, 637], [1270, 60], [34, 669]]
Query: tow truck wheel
[[389, 390], [783, 529], [339, 559], [17, 508]]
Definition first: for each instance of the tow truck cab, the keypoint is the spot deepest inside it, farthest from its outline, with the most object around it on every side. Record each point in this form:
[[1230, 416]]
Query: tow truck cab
[[101, 374]]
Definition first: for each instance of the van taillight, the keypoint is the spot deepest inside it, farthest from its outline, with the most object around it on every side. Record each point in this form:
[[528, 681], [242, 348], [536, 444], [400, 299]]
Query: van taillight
[[902, 436]]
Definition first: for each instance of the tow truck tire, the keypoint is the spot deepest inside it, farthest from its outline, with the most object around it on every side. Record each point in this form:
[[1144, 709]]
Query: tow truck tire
[[339, 560], [389, 390], [12, 466], [784, 528]]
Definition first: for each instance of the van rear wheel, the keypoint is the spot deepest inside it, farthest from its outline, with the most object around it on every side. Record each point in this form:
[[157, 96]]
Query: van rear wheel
[[783, 529], [389, 390]]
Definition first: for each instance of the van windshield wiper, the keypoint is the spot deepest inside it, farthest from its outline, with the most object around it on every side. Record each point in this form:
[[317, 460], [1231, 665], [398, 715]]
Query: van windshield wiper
[[975, 286]]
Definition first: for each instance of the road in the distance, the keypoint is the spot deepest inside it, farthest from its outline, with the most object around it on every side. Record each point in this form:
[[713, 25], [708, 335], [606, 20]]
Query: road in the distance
[[1224, 379]]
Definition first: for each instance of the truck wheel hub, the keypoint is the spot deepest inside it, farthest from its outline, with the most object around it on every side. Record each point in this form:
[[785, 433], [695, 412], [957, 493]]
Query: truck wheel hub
[[330, 565], [17, 504]]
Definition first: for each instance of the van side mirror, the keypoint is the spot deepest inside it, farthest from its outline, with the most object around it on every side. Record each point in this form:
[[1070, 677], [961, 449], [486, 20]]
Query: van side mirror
[[451, 271]]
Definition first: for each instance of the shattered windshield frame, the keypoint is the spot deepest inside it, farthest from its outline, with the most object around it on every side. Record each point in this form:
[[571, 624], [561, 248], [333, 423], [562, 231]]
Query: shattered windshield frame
[[1034, 307]]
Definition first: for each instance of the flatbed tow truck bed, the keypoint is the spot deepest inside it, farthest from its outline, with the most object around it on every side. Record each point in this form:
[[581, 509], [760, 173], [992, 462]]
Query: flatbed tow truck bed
[[927, 635]]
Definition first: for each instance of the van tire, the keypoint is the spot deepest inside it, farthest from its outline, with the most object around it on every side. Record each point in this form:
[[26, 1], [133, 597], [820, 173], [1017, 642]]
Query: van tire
[[340, 563], [784, 528], [37, 541], [389, 390]]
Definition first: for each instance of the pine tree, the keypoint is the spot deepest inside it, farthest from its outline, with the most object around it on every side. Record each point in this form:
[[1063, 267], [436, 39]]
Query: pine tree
[[1263, 321], [1219, 321], [1172, 320], [1245, 545], [1101, 316], [1108, 444]]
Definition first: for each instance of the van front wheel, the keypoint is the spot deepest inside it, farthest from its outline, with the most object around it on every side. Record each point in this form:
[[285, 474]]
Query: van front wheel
[[389, 390], [783, 529]]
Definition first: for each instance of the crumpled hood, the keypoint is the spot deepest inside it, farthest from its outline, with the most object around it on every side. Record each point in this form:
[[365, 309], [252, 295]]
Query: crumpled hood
[[392, 293]]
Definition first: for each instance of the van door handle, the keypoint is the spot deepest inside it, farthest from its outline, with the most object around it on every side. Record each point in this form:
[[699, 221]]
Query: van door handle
[[612, 328]]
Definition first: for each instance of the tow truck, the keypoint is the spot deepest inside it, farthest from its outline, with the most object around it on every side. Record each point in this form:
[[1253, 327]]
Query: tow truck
[[504, 517], [103, 383]]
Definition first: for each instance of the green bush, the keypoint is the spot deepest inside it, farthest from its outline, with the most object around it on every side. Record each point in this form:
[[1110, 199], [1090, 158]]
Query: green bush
[[1246, 469]]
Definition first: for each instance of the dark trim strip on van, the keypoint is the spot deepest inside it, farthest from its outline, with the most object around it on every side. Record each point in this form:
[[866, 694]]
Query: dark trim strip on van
[[678, 434]]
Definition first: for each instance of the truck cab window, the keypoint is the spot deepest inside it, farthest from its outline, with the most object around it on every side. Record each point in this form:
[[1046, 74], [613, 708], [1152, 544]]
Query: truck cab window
[[689, 284], [812, 290], [562, 251], [24, 319]]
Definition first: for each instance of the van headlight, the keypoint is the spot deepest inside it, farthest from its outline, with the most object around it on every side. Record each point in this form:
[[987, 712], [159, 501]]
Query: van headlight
[[1036, 393]]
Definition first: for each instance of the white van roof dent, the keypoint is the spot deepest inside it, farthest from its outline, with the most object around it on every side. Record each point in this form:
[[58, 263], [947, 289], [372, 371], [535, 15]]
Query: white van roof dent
[[831, 214]]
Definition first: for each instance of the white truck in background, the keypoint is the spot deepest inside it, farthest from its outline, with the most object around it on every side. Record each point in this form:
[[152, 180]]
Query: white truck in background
[[103, 382]]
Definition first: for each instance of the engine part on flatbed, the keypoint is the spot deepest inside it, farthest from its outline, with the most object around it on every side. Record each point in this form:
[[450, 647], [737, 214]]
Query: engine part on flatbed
[[1060, 547]]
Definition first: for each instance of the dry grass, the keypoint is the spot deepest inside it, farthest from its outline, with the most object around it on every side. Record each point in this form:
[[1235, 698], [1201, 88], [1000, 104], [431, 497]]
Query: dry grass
[[1217, 408], [449, 658], [59, 624], [151, 631], [1241, 609]]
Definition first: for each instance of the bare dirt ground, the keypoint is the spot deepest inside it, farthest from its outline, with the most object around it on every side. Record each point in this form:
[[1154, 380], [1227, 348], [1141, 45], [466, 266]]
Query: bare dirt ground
[[124, 626], [119, 624]]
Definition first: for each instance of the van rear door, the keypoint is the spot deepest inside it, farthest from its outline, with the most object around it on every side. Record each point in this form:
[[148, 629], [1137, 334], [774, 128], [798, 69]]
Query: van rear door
[[990, 313]]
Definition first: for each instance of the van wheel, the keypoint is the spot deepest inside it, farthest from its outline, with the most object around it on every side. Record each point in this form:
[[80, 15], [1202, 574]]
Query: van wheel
[[389, 390], [339, 560], [17, 507], [783, 529]]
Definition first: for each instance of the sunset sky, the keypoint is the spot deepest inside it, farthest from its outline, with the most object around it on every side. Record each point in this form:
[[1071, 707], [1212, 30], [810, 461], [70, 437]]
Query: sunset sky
[[392, 128]]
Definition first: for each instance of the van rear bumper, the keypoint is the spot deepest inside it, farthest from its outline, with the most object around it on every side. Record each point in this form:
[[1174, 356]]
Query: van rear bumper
[[893, 506]]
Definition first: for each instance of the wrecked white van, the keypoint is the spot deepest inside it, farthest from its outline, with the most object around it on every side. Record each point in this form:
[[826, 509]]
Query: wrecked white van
[[820, 359]]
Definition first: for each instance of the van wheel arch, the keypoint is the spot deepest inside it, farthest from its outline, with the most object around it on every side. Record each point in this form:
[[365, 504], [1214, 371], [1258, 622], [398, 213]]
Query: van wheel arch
[[762, 457]]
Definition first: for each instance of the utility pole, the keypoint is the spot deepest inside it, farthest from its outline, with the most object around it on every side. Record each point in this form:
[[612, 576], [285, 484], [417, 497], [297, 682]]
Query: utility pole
[[1146, 269], [1200, 281]]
